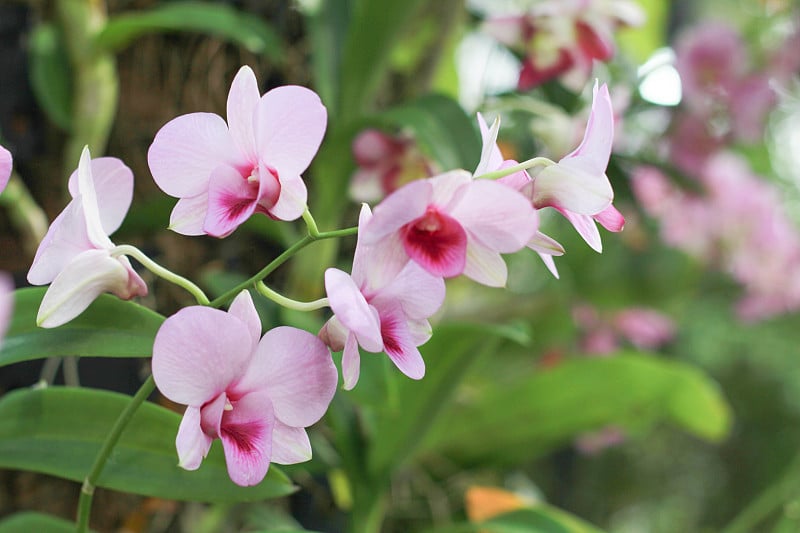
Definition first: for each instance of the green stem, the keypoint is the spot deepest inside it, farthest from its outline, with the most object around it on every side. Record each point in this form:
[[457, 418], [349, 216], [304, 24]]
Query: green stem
[[311, 224], [24, 213], [158, 270], [280, 299], [281, 259], [90, 482], [525, 165]]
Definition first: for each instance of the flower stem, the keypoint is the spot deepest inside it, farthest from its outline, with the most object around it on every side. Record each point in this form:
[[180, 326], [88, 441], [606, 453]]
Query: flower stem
[[525, 165], [158, 270], [90, 482], [288, 302], [311, 224]]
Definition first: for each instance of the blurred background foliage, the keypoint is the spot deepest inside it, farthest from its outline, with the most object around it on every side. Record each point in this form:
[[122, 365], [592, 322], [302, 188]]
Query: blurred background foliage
[[539, 390]]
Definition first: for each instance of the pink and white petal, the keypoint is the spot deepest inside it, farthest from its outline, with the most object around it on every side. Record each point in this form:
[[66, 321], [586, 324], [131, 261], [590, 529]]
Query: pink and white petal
[[290, 445], [211, 414], [88, 275], [382, 262], [419, 293], [567, 185], [586, 228], [296, 369], [517, 180], [189, 215], [351, 362], [420, 330], [6, 303], [548, 261], [508, 30], [362, 253], [187, 149], [231, 201], [491, 158], [611, 219], [595, 148], [498, 216], [545, 244], [448, 188], [246, 435], [441, 252], [192, 444], [352, 309], [5, 167], [399, 344], [404, 205], [198, 352], [113, 186], [292, 198], [243, 308], [289, 125], [65, 239], [242, 101], [334, 334], [366, 185], [485, 265], [91, 209], [135, 285]]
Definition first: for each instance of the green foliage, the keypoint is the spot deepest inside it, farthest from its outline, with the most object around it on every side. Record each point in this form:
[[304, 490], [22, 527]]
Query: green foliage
[[51, 78], [110, 327], [541, 518], [26, 522], [59, 430]]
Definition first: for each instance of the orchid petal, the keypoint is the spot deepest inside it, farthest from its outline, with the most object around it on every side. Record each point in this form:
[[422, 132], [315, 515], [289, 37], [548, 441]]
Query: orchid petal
[[595, 148], [334, 334], [568, 186], [361, 255], [442, 252], [351, 362], [243, 308], [586, 228], [65, 239], [292, 199], [398, 209], [549, 263], [399, 345], [611, 219], [242, 101], [382, 262], [192, 444], [352, 309], [491, 158], [231, 201], [189, 215], [246, 435], [198, 352], [187, 149], [545, 244], [113, 182], [290, 445], [420, 330], [448, 188], [5, 167], [517, 180], [419, 293], [91, 210], [290, 122], [211, 414], [485, 265], [297, 371], [6, 303]]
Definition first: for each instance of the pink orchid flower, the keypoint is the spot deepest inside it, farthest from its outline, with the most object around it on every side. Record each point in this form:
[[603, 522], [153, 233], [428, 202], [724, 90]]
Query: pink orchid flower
[[223, 173], [379, 311], [6, 303], [451, 224], [256, 394], [5, 168], [75, 256]]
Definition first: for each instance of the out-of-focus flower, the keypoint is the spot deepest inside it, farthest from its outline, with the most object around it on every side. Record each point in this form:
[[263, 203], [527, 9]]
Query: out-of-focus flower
[[6, 303], [642, 327], [385, 163], [223, 173], [450, 225], [380, 312], [75, 256], [594, 442], [5, 167], [256, 396]]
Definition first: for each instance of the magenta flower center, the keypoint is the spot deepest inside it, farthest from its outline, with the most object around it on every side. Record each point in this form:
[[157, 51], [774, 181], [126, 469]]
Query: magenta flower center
[[437, 242]]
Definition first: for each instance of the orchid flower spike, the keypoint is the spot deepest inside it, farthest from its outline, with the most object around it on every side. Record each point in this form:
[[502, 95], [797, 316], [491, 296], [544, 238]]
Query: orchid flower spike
[[75, 256], [379, 311], [5, 168], [256, 394], [451, 224], [223, 173]]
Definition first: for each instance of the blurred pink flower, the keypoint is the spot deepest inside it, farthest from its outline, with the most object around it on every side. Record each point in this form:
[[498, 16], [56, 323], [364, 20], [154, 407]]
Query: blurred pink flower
[[594, 442], [644, 328], [385, 163], [256, 396], [5, 167], [380, 311], [450, 225], [6, 303], [75, 256], [223, 173]]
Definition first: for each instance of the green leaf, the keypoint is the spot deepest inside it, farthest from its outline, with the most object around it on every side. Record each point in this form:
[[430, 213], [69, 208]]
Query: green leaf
[[26, 522], [536, 412], [640, 42], [110, 327], [51, 78], [219, 20], [541, 518], [59, 430]]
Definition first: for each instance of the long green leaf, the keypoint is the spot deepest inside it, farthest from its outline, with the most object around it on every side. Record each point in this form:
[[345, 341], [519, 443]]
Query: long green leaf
[[51, 78], [59, 430], [110, 327], [28, 522], [541, 518], [537, 412], [219, 20]]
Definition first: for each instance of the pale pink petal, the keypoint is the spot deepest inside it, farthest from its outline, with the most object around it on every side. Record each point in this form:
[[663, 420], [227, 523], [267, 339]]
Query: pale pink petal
[[6, 303], [87, 276], [297, 371], [491, 158], [399, 345], [135, 285], [517, 180], [548, 261], [292, 200], [246, 435], [290, 445], [192, 444], [611, 219], [189, 215], [113, 186], [441, 251], [198, 352], [5, 167], [362, 253], [419, 293], [568, 186], [351, 362], [65, 239], [243, 308], [334, 334], [91, 209], [507, 29], [546, 247], [366, 185], [448, 188], [231, 201], [290, 123], [586, 228], [211, 414], [242, 101], [595, 149], [352, 309], [485, 265], [185, 151], [420, 330], [398, 209], [498, 216], [382, 262]]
